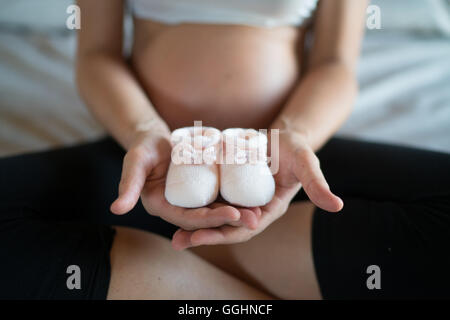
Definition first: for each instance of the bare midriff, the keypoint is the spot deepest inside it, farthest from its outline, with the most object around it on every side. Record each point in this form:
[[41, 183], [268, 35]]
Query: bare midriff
[[223, 75]]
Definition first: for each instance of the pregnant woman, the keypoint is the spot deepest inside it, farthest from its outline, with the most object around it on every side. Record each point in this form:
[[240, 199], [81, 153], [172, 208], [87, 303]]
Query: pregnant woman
[[251, 64], [228, 64]]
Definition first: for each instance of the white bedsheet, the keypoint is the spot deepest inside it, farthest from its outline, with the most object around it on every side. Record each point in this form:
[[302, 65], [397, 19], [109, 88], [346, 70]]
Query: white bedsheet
[[404, 98], [404, 91], [39, 105]]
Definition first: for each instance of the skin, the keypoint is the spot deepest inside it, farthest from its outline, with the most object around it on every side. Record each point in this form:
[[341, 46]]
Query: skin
[[306, 104], [277, 261], [159, 272], [272, 265]]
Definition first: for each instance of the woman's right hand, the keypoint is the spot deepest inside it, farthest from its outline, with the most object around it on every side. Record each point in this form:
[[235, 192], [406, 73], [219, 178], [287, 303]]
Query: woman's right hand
[[144, 174]]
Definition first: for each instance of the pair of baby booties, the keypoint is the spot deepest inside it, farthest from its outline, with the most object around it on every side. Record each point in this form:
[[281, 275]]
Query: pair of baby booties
[[205, 160]]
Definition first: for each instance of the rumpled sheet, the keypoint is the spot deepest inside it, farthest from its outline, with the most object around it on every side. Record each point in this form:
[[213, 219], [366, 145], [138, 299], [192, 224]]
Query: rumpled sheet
[[39, 104], [404, 97], [404, 91]]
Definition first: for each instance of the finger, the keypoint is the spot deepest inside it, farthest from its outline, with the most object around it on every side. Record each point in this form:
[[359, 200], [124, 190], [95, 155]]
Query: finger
[[222, 235], [181, 239], [257, 211], [321, 195], [249, 218], [208, 217], [308, 172], [215, 215], [134, 173], [237, 223]]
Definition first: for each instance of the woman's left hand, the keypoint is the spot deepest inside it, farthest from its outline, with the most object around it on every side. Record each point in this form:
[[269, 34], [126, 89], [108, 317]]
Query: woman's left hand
[[298, 166]]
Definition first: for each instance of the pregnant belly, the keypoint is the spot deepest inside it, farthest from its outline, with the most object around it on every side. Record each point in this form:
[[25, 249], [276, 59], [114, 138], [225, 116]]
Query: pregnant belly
[[225, 76]]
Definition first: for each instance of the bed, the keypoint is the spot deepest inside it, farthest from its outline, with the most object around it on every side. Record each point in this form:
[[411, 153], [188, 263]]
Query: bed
[[404, 76]]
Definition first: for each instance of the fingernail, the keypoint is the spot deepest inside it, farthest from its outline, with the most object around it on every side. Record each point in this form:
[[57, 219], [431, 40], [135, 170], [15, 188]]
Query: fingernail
[[236, 216]]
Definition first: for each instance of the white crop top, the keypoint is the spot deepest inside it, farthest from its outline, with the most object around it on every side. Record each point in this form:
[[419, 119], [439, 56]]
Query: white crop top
[[262, 13]]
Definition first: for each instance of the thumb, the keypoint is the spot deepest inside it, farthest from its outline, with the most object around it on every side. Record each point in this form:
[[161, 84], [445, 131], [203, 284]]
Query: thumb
[[134, 174], [307, 171]]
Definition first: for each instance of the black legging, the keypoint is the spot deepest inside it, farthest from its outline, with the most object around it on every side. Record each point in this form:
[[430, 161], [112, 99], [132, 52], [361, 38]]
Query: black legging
[[396, 216]]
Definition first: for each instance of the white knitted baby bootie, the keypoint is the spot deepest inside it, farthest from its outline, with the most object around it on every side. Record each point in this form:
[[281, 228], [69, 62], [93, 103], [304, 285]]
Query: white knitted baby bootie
[[245, 178], [193, 175]]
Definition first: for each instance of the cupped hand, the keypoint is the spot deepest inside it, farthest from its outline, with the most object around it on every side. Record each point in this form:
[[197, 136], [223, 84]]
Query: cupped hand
[[298, 166], [144, 175]]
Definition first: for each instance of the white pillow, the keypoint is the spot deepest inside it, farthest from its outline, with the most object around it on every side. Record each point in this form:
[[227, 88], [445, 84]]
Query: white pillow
[[36, 15]]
